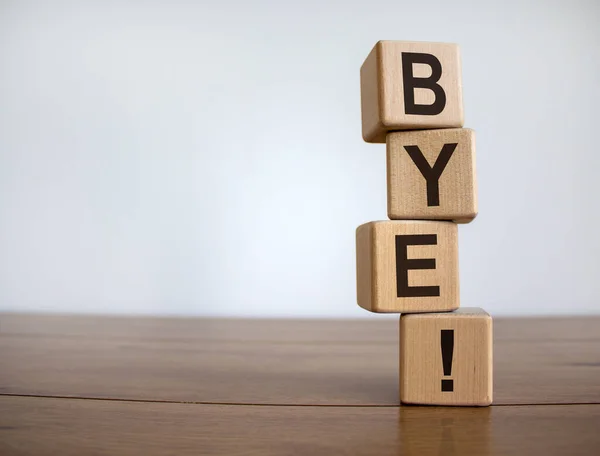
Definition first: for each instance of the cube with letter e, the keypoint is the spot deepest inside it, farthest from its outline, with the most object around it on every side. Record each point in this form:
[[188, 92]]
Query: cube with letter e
[[407, 266]]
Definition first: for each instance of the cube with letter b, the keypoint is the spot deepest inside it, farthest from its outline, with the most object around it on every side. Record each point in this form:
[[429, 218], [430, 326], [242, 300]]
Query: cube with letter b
[[407, 266], [410, 86]]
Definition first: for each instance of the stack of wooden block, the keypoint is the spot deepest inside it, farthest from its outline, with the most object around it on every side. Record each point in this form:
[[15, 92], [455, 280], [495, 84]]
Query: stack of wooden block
[[411, 99]]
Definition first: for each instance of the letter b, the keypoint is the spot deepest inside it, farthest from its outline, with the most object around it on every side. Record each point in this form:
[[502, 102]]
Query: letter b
[[430, 83]]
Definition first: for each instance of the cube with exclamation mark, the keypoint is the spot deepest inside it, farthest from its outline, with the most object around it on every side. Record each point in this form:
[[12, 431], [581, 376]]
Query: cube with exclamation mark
[[446, 358]]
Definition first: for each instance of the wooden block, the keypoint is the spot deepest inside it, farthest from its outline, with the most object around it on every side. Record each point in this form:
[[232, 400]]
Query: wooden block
[[446, 358], [431, 175], [407, 266], [410, 86]]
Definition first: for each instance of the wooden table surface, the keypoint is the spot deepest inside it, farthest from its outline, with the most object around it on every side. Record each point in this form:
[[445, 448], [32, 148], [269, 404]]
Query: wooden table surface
[[76, 385]]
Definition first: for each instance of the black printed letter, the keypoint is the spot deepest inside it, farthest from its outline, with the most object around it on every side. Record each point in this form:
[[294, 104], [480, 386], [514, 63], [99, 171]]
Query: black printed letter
[[403, 264], [432, 175], [411, 83]]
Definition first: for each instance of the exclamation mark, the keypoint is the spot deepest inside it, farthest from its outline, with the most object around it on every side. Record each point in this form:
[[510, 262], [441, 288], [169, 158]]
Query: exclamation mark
[[447, 350]]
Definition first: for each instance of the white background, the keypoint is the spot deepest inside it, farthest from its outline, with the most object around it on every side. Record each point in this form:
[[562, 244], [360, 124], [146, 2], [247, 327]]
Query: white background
[[206, 157]]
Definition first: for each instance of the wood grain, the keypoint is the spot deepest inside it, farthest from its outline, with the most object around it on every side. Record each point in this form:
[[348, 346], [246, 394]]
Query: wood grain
[[371, 329], [41, 426], [383, 105], [407, 195], [376, 266], [352, 362], [471, 355]]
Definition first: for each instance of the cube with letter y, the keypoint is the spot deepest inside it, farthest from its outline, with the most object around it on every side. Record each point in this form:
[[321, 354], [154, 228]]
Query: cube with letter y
[[407, 266], [431, 175], [410, 86]]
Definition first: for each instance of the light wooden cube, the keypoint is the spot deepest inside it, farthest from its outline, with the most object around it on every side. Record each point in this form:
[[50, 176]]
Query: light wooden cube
[[446, 358], [407, 266], [431, 175], [410, 86]]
